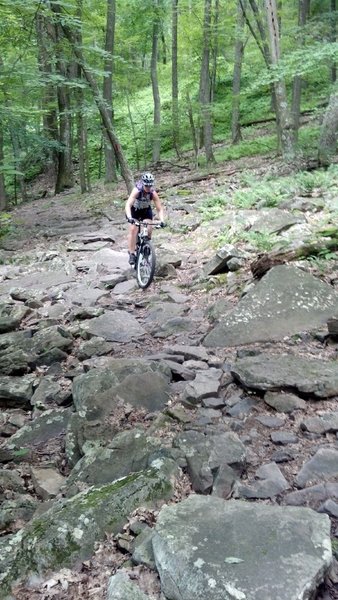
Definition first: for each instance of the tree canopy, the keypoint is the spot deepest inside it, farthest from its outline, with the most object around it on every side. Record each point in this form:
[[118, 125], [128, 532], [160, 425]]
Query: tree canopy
[[51, 51]]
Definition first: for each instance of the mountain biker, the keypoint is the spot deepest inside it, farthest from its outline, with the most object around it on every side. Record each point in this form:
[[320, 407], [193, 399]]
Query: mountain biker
[[139, 207]]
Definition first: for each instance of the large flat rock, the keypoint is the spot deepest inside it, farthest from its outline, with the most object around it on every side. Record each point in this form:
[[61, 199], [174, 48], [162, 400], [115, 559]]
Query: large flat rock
[[40, 280], [277, 371], [210, 548], [286, 301], [115, 326]]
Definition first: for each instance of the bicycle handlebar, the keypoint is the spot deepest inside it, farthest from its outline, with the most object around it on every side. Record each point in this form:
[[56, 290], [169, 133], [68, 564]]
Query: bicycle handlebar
[[155, 224]]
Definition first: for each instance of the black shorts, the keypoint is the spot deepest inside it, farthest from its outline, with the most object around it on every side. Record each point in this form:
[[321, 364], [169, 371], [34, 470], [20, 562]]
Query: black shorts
[[141, 213]]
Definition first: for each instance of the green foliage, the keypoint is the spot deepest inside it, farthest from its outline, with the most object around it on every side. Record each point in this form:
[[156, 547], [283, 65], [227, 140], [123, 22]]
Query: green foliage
[[212, 207], [299, 62], [5, 224], [263, 241], [271, 192], [251, 147], [23, 88]]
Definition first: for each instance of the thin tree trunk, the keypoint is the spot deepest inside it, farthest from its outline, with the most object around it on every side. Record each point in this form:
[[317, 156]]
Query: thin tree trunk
[[65, 173], [3, 194], [16, 149], [194, 135], [205, 91], [110, 162], [328, 135], [333, 37], [45, 34], [125, 170], [261, 38], [17, 161], [174, 78], [303, 11], [132, 125], [154, 82], [81, 126], [236, 81], [81, 141], [214, 51], [86, 159], [164, 47], [284, 121]]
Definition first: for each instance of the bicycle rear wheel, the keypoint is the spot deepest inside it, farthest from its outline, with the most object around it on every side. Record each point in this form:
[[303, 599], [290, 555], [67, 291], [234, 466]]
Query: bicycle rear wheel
[[145, 266]]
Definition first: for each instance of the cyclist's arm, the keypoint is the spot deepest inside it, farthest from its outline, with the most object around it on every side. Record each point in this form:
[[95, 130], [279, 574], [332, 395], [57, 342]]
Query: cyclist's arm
[[130, 202], [159, 207]]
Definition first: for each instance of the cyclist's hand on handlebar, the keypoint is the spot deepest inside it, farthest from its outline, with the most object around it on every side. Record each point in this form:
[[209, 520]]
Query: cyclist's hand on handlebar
[[131, 220], [162, 224]]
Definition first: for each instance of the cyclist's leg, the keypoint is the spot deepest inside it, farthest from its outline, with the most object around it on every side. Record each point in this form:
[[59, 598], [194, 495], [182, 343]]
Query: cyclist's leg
[[132, 234], [132, 237], [148, 216]]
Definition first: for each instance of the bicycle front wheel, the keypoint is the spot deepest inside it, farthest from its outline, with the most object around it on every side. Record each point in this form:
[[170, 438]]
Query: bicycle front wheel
[[145, 266]]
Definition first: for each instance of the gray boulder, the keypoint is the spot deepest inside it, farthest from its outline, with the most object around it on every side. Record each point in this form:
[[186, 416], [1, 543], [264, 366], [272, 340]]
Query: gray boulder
[[127, 453], [115, 326], [323, 466], [67, 532], [214, 462], [11, 316], [286, 301], [16, 391], [270, 372], [211, 548], [120, 587], [139, 382], [46, 426]]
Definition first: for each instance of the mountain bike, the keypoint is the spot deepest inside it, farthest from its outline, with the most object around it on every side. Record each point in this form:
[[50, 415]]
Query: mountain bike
[[145, 253]]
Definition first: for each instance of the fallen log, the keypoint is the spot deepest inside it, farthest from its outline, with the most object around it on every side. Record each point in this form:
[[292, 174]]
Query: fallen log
[[266, 261], [202, 177]]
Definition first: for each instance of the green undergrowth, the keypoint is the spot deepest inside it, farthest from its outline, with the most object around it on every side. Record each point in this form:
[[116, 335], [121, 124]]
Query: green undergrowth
[[270, 191]]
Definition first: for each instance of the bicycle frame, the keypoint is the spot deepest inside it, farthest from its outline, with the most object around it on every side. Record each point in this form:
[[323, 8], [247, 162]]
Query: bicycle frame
[[145, 253]]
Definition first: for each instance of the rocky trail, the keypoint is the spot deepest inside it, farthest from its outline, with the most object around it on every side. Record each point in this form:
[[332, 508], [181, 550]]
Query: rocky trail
[[175, 443]]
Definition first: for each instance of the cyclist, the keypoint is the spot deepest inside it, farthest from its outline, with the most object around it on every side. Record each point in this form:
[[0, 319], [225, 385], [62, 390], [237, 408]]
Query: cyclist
[[139, 207]]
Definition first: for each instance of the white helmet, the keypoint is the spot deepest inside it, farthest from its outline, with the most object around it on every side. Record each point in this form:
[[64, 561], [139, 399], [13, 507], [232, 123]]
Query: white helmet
[[148, 179]]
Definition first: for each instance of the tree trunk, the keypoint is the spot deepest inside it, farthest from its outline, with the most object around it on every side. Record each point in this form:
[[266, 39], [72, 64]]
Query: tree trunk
[[3, 194], [236, 81], [13, 131], [125, 171], [328, 135], [65, 174], [303, 11], [174, 78], [17, 161], [154, 82], [45, 35], [164, 46], [333, 37], [284, 121], [81, 121], [213, 76], [132, 125], [194, 135], [205, 85], [261, 39], [110, 162]]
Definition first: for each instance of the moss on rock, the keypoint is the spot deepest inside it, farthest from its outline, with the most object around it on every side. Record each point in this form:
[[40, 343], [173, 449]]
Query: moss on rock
[[67, 532]]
